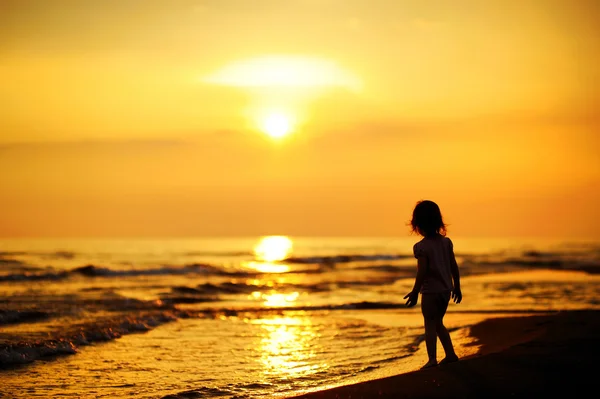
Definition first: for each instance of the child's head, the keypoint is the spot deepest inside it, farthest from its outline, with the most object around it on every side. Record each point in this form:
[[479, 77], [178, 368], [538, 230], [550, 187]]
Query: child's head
[[427, 219]]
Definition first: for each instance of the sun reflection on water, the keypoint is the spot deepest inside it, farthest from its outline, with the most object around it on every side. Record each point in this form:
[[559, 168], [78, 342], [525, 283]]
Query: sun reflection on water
[[275, 299], [269, 251], [266, 267], [287, 346], [273, 248]]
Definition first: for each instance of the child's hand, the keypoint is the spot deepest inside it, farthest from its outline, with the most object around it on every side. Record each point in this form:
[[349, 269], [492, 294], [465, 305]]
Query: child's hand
[[413, 298], [457, 295]]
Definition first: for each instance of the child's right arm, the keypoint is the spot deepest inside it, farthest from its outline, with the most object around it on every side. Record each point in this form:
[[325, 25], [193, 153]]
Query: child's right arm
[[413, 296], [456, 293]]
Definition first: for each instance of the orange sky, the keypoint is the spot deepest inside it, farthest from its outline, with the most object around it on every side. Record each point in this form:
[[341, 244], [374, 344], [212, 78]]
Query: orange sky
[[145, 118]]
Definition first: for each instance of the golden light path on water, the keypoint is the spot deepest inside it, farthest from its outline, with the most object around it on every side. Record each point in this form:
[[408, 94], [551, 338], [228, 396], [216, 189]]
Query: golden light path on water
[[288, 343], [288, 346], [268, 251]]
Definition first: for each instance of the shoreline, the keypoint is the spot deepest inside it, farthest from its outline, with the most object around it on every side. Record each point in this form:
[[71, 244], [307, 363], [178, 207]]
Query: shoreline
[[516, 356]]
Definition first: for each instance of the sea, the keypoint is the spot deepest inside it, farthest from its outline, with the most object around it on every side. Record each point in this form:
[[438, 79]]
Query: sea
[[249, 317]]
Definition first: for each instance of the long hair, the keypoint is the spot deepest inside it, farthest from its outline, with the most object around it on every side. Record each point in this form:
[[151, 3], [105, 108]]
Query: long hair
[[427, 219]]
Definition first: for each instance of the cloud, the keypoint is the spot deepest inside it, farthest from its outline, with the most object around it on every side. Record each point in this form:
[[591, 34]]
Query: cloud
[[284, 71]]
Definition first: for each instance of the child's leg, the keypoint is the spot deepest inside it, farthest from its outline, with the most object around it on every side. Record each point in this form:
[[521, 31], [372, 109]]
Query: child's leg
[[431, 320], [446, 341], [442, 331], [431, 340]]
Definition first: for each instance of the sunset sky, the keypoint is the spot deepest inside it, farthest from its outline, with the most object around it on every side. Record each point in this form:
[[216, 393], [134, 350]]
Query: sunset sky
[[153, 118]]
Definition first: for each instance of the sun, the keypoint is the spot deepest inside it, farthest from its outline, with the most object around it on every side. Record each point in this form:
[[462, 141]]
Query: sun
[[276, 125]]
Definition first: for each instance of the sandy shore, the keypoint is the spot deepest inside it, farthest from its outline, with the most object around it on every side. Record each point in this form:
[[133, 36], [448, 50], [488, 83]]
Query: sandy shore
[[533, 356]]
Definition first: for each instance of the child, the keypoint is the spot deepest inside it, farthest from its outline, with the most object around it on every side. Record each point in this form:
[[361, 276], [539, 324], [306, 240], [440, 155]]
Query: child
[[436, 271]]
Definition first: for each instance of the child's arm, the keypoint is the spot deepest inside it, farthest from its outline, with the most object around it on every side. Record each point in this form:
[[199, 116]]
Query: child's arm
[[456, 293], [413, 296]]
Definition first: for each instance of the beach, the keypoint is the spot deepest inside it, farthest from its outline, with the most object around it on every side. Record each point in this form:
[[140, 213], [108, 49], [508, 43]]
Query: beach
[[523, 356]]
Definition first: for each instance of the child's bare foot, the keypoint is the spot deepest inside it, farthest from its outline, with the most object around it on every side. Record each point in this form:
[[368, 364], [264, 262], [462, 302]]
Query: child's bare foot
[[449, 359], [429, 364]]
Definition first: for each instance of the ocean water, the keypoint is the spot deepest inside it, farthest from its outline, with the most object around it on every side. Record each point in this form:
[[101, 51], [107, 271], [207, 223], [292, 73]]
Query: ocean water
[[251, 317]]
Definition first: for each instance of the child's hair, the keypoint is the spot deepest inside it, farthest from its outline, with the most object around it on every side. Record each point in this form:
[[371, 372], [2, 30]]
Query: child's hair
[[427, 219]]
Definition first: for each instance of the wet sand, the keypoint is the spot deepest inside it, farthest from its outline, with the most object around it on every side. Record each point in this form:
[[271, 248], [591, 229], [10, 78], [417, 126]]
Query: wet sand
[[514, 357]]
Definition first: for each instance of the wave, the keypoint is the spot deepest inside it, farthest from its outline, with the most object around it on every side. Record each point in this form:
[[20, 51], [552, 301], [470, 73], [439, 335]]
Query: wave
[[16, 316], [477, 266], [237, 391], [13, 253], [34, 276], [17, 353], [202, 392], [16, 266], [259, 311], [69, 338], [113, 317], [96, 271], [22, 272], [99, 271], [213, 292], [217, 253]]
